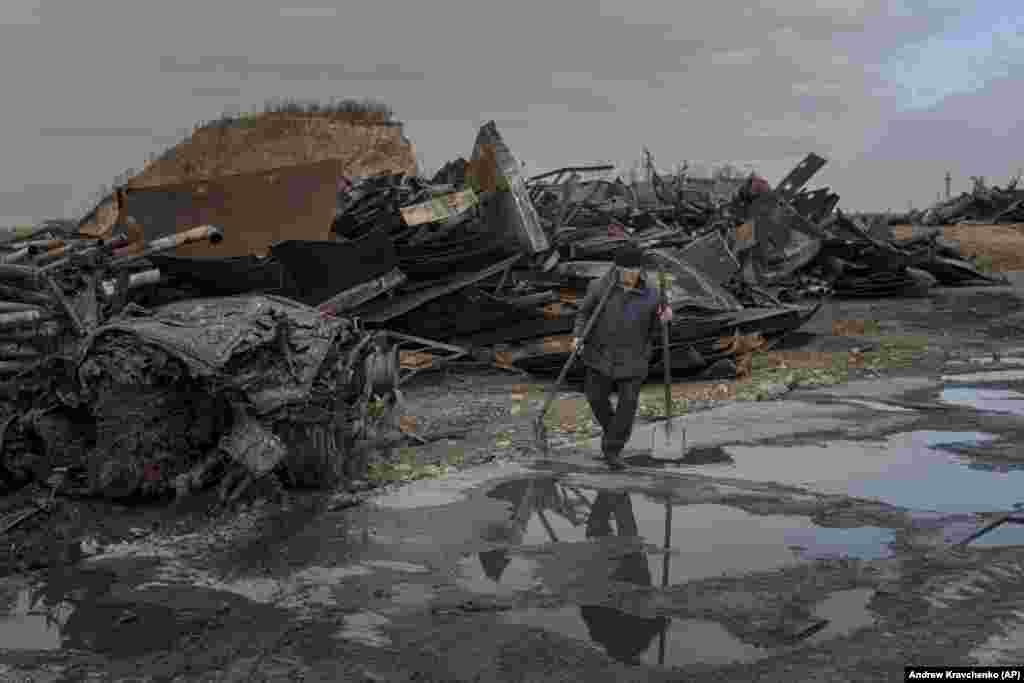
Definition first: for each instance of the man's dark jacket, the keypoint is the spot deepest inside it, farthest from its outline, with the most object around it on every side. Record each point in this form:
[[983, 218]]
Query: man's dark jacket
[[619, 345]]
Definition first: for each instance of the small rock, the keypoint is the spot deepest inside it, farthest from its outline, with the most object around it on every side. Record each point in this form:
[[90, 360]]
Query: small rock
[[775, 390]]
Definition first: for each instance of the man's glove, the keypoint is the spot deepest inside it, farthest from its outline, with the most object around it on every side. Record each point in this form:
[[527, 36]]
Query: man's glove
[[664, 313]]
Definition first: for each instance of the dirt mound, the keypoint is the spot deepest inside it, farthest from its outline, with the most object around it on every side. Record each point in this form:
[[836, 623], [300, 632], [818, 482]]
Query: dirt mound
[[265, 146], [999, 246], [276, 140]]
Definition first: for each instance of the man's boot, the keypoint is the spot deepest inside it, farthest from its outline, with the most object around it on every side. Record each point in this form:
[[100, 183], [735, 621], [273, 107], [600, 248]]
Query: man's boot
[[615, 461]]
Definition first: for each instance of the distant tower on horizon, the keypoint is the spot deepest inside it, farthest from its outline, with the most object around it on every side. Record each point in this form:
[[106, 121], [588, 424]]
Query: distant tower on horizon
[[948, 179]]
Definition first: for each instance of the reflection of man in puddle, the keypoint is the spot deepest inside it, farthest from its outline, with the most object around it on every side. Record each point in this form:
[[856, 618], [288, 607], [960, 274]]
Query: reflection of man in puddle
[[527, 497], [623, 636]]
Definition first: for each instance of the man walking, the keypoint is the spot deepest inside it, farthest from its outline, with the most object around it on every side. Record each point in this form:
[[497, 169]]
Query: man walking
[[617, 351]]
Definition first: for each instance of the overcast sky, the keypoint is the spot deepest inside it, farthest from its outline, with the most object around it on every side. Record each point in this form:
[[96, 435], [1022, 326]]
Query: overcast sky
[[892, 93]]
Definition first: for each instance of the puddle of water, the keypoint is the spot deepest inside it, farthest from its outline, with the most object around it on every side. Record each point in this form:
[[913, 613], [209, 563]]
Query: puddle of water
[[985, 400], [411, 594], [875, 405], [1003, 535], [846, 611], [31, 624], [396, 566], [983, 377], [660, 641], [992, 360], [704, 540], [918, 470], [365, 628], [497, 571], [82, 615]]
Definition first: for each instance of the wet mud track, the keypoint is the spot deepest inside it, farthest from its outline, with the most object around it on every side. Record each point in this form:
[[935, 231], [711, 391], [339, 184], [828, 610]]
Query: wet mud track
[[817, 537]]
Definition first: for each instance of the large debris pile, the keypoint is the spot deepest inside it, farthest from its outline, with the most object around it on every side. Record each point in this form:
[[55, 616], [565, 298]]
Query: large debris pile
[[482, 262], [984, 205], [142, 372], [126, 401]]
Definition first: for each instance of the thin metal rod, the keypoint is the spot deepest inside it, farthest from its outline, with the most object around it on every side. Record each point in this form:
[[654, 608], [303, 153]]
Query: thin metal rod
[[665, 560]]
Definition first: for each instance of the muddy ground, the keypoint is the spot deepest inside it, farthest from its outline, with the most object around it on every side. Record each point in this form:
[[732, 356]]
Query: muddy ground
[[811, 535]]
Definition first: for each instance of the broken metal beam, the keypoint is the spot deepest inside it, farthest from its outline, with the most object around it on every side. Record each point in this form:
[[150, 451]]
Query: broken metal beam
[[402, 305], [532, 300], [799, 176], [69, 310], [572, 169], [10, 271], [363, 292], [22, 318], [424, 356]]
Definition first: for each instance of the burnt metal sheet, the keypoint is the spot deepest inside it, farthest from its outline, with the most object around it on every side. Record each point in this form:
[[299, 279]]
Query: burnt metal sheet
[[403, 304], [797, 254], [533, 328], [815, 205], [687, 334], [799, 176], [513, 208], [950, 271], [225, 276], [463, 313], [772, 231], [712, 256], [321, 269], [687, 283]]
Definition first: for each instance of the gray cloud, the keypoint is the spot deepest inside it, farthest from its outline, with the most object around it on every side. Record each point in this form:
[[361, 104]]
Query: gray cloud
[[216, 91], [569, 82], [242, 67], [308, 12], [35, 200], [96, 132]]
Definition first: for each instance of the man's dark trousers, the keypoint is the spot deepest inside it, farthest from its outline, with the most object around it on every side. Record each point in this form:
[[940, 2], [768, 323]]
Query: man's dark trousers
[[617, 424]]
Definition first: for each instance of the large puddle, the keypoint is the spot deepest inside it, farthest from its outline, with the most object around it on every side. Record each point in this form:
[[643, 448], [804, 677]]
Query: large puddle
[[662, 641], [985, 399], [81, 614], [673, 543], [923, 470]]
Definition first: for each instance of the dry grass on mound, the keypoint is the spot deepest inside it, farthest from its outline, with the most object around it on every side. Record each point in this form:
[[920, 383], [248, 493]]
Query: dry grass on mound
[[1000, 247]]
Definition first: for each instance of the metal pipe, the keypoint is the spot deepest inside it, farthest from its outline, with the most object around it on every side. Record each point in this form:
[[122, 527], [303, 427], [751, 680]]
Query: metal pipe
[[15, 256], [202, 233], [146, 277], [10, 271], [21, 318], [17, 307]]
